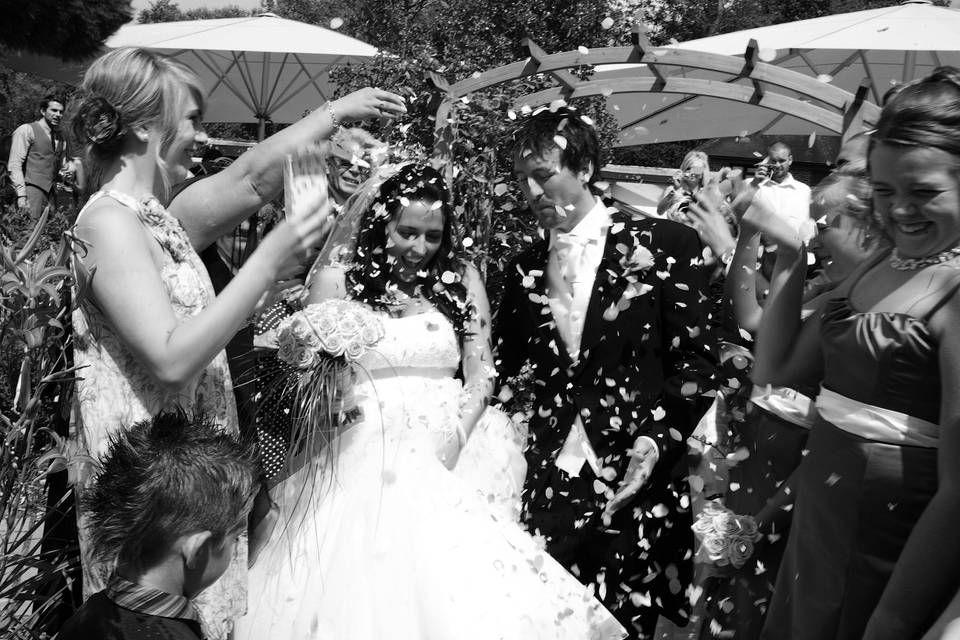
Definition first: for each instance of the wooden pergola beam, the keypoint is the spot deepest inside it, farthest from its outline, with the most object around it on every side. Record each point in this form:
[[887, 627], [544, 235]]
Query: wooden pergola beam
[[824, 117], [564, 77], [818, 103], [667, 57]]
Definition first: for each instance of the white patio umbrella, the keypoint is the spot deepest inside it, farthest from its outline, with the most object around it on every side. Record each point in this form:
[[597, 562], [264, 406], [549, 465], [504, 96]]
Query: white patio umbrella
[[257, 69], [882, 46]]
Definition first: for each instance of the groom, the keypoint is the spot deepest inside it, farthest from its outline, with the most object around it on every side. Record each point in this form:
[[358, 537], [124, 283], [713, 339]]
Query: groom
[[611, 314]]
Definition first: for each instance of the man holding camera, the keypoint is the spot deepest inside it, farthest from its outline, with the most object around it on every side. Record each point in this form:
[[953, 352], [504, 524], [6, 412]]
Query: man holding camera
[[786, 196]]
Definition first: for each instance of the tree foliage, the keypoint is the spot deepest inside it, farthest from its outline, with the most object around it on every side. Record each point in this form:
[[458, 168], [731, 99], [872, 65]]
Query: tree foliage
[[66, 29], [169, 11]]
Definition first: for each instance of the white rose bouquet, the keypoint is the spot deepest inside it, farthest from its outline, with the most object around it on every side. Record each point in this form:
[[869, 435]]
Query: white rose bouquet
[[725, 538], [328, 329], [316, 349]]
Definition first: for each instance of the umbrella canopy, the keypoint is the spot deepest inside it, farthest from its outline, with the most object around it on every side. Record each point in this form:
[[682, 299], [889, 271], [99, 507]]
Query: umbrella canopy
[[257, 69], [882, 46]]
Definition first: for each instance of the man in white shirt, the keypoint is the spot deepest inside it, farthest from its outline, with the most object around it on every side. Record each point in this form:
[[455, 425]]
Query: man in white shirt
[[37, 154], [785, 195], [610, 313]]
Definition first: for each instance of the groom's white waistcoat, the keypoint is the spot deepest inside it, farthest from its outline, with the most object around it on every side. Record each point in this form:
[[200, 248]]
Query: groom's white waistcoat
[[571, 271]]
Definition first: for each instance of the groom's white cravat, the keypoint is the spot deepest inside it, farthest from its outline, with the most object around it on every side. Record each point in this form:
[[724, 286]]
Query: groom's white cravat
[[571, 272]]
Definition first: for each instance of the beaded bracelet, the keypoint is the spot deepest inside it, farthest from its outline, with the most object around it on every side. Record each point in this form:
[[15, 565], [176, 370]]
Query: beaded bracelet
[[333, 115]]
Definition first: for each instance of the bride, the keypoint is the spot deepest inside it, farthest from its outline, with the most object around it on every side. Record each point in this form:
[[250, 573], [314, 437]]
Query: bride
[[376, 536]]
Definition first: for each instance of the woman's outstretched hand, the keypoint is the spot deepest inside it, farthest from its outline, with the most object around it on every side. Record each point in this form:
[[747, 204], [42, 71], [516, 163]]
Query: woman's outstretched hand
[[708, 216], [367, 104], [294, 241]]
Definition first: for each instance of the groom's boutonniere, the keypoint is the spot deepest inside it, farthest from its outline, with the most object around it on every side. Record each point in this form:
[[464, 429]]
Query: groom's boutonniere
[[635, 261]]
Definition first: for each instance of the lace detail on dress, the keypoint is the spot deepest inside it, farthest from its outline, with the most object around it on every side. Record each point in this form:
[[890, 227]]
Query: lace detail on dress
[[426, 340], [114, 390]]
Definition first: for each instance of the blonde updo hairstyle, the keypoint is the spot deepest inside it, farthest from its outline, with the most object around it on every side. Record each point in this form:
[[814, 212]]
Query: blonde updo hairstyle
[[125, 89]]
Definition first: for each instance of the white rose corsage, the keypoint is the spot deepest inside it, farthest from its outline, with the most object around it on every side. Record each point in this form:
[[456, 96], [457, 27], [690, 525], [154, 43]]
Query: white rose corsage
[[631, 262]]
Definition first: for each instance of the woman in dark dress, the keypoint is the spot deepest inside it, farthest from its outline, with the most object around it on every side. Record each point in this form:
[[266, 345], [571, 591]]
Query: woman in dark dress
[[872, 551], [770, 424]]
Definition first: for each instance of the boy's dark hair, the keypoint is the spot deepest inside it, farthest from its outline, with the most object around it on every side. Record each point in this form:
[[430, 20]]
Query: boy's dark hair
[[539, 132], [47, 99], [163, 478]]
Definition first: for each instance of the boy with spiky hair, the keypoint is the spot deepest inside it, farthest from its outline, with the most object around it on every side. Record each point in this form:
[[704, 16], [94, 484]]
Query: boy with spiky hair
[[167, 509]]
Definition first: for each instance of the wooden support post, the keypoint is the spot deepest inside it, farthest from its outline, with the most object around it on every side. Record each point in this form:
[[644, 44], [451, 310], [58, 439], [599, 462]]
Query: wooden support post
[[564, 77], [641, 45], [750, 57], [853, 113], [439, 81]]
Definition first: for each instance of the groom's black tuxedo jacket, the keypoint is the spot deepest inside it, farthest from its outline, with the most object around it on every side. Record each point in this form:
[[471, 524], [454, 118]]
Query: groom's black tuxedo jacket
[[644, 361]]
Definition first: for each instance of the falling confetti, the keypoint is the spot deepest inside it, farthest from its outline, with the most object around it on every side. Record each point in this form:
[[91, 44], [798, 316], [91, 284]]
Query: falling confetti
[[582, 49], [606, 23], [811, 140], [767, 55], [336, 23]]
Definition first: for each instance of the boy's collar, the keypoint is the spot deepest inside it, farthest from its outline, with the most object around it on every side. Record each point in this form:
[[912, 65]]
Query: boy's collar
[[150, 601]]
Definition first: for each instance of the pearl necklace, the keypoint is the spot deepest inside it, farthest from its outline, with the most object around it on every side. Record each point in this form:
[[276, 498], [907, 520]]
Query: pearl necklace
[[912, 264]]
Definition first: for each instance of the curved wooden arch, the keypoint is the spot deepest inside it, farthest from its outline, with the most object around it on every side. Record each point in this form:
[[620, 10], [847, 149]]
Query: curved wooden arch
[[827, 106]]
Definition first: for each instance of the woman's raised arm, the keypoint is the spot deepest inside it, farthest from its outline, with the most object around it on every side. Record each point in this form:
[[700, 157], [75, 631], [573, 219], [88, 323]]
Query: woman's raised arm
[[127, 286], [479, 373], [212, 207]]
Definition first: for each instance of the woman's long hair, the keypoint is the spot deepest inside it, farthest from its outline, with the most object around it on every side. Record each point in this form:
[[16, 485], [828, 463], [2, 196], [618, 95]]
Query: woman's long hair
[[125, 89], [369, 276]]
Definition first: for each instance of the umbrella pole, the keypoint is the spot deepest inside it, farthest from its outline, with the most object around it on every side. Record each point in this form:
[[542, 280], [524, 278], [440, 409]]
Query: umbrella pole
[[261, 128]]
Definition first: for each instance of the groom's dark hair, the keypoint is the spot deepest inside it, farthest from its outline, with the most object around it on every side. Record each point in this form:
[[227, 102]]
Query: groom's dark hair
[[166, 477], [542, 131]]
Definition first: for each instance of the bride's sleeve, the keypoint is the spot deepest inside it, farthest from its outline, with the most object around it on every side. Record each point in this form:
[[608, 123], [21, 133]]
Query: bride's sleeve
[[477, 357]]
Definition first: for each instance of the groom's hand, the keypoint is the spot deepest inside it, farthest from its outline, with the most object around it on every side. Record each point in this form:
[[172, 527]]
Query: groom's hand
[[643, 457]]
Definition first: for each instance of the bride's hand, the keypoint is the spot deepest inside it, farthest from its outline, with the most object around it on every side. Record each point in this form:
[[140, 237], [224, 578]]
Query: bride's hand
[[449, 451]]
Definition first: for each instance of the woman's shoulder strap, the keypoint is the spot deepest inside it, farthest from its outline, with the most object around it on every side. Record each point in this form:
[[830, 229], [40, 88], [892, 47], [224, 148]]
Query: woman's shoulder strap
[[948, 293], [126, 200]]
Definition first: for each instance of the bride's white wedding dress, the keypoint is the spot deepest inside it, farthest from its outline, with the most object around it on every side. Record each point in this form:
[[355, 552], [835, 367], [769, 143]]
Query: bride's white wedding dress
[[386, 542]]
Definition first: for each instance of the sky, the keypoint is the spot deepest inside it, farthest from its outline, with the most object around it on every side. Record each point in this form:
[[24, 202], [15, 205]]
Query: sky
[[186, 5]]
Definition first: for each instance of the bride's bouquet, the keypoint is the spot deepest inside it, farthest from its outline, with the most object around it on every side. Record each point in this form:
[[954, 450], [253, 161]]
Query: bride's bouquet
[[329, 329], [725, 538], [316, 347]]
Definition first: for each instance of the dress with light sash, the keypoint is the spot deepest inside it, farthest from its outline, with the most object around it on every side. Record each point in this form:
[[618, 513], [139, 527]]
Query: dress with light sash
[[869, 474]]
